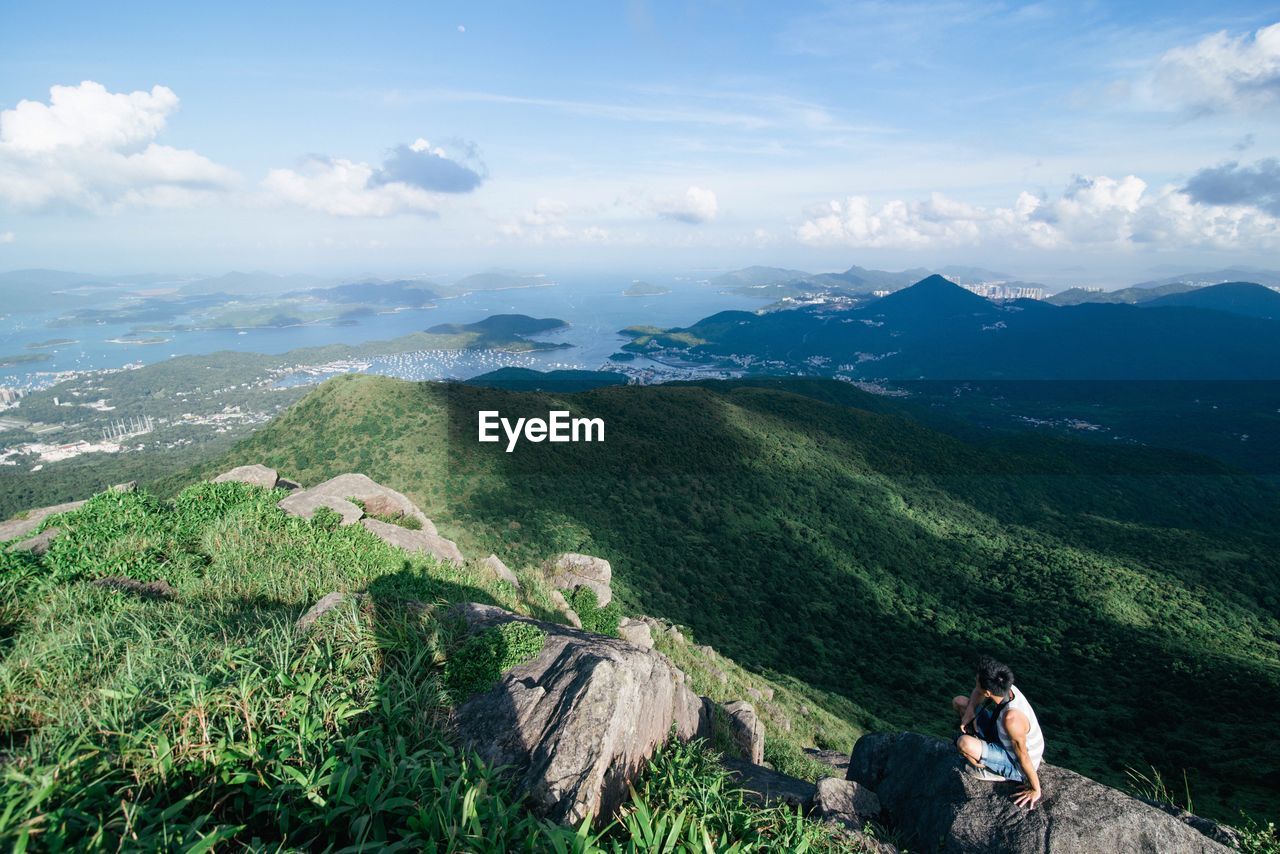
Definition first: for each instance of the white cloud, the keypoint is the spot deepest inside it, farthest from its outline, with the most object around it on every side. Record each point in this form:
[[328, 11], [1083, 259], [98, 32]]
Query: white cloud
[[7, 237], [411, 180], [697, 205], [1221, 72], [346, 188], [93, 149], [1091, 211]]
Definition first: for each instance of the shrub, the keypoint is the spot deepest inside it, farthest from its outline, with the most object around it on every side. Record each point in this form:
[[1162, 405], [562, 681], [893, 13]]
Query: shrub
[[482, 658], [602, 621]]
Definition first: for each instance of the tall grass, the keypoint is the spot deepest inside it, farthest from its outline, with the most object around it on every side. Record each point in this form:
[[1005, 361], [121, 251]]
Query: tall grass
[[211, 721]]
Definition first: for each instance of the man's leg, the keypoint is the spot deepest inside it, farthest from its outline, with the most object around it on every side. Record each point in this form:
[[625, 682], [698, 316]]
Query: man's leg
[[971, 749]]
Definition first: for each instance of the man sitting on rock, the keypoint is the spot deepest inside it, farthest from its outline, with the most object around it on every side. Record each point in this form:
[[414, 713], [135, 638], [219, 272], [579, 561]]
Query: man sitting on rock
[[1004, 743]]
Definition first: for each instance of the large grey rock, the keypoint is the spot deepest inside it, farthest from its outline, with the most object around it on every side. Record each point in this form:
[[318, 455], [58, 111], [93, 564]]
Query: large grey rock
[[306, 503], [418, 542], [636, 631], [256, 474], [499, 570], [746, 729], [846, 802], [935, 803], [37, 545], [577, 723], [766, 786], [24, 527], [340, 494], [378, 500], [571, 570]]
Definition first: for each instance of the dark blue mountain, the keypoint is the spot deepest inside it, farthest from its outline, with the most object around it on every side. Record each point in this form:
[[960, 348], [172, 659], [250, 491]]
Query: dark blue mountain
[[1236, 297], [937, 330]]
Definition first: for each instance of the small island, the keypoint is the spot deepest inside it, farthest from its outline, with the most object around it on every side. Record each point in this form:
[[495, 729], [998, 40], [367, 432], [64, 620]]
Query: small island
[[645, 289], [52, 342], [506, 332]]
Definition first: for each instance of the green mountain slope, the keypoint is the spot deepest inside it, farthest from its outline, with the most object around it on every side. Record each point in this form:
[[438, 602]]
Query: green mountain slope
[[1134, 591]]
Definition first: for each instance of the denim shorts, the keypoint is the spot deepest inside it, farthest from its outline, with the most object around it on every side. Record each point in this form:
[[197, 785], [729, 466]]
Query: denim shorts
[[1000, 761], [995, 756]]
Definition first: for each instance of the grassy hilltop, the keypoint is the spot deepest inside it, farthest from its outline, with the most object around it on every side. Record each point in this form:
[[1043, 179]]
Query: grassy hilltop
[[196, 715], [805, 532]]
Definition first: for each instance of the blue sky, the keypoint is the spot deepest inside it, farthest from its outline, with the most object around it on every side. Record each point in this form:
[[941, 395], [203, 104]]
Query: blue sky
[[1098, 141]]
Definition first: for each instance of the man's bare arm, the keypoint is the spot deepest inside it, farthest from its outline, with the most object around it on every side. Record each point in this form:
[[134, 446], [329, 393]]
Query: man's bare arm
[[1017, 725], [975, 700]]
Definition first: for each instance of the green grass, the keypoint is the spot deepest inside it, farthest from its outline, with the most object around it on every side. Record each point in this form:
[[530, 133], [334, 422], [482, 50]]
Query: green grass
[[211, 721], [863, 559], [586, 604], [482, 659]]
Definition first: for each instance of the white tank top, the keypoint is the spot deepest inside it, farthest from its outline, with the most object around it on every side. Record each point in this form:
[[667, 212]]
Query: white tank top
[[1035, 738]]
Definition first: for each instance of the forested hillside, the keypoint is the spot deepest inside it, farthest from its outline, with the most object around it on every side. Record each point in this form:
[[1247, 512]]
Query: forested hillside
[[1134, 591]]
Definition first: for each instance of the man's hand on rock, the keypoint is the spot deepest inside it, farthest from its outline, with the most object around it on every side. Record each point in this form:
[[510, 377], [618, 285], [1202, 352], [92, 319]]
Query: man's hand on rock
[[1027, 797]]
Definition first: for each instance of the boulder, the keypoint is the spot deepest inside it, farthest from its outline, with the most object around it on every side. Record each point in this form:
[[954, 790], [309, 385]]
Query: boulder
[[256, 474], [1223, 833], [846, 802], [418, 542], [305, 504], [766, 786], [578, 723], [37, 545], [746, 729], [636, 631], [499, 570], [26, 526], [930, 798], [340, 493], [127, 486], [571, 570], [557, 599]]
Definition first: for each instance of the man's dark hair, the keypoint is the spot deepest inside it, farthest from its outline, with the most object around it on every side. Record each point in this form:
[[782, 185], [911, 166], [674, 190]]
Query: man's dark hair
[[994, 676]]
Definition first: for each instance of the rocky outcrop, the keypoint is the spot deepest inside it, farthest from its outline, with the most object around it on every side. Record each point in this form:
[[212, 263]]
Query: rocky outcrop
[[256, 474], [746, 729], [304, 503], [766, 786], [499, 570], [37, 545], [26, 526], [571, 570], [846, 802], [636, 631], [417, 542], [340, 494], [932, 800], [576, 724]]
